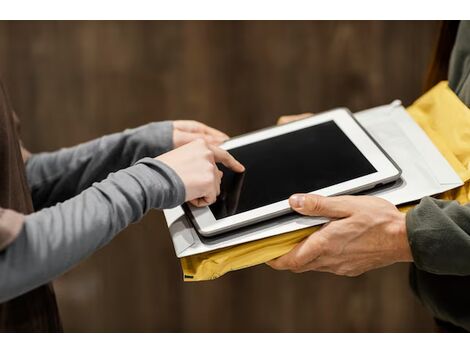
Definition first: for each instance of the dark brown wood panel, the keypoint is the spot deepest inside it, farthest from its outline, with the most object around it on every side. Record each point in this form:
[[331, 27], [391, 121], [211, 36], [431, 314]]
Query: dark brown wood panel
[[74, 81]]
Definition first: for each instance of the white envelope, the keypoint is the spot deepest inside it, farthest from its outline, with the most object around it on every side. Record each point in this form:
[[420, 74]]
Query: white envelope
[[425, 172]]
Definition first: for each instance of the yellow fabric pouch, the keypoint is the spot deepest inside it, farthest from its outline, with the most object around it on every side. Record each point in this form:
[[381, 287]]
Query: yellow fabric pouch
[[444, 118]]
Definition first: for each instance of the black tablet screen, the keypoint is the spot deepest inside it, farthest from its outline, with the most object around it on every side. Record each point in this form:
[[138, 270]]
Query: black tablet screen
[[297, 162]]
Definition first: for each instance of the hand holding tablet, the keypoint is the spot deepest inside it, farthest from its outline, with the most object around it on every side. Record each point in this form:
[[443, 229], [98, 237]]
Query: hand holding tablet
[[328, 154]]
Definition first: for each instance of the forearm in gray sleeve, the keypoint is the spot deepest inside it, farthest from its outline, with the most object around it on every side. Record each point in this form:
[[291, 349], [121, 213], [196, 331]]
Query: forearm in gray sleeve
[[439, 236], [56, 238], [57, 176]]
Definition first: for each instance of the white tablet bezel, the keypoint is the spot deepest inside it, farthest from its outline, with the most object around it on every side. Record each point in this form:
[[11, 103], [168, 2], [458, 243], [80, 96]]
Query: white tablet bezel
[[387, 171]]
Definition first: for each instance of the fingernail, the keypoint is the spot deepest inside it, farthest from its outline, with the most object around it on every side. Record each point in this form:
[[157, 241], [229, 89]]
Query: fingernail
[[297, 200]]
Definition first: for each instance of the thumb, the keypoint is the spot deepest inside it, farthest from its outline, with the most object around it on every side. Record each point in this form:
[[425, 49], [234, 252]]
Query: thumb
[[315, 205]]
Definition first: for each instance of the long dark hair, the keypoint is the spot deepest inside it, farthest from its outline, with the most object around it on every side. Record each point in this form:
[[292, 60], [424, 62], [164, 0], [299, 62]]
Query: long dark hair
[[439, 65]]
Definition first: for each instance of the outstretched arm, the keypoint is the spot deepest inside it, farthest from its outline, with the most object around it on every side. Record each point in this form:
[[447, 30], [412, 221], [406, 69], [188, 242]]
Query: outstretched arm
[[54, 239], [58, 176]]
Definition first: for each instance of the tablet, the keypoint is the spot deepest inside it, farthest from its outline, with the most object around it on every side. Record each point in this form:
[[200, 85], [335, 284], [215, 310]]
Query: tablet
[[326, 154]]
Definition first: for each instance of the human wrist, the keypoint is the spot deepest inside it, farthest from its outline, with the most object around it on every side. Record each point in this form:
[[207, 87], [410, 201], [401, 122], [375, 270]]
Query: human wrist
[[403, 248], [159, 176]]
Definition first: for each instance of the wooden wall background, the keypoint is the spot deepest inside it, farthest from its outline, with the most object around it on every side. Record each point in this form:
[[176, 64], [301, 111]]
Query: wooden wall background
[[74, 81]]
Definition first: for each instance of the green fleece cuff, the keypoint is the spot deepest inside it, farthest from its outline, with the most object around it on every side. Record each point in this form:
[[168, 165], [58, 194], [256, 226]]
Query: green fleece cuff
[[439, 236]]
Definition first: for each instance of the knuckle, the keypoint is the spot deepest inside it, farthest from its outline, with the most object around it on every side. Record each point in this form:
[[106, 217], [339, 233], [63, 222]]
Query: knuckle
[[209, 155], [274, 264], [210, 175], [353, 274], [341, 271], [297, 271], [206, 180], [314, 204], [348, 270], [295, 264], [209, 181]]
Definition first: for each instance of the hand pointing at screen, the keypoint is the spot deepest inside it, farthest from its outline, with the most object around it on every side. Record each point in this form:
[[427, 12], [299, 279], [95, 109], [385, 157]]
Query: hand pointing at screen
[[195, 164]]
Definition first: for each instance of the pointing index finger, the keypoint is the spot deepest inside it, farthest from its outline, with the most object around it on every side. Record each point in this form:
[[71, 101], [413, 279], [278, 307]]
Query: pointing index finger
[[226, 159]]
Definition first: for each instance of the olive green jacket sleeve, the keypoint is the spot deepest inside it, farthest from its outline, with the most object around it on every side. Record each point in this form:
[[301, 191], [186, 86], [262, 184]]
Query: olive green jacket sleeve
[[439, 236], [439, 231]]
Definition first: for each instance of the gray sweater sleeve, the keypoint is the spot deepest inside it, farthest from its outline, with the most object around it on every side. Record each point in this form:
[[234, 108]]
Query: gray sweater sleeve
[[439, 236], [54, 239], [57, 176]]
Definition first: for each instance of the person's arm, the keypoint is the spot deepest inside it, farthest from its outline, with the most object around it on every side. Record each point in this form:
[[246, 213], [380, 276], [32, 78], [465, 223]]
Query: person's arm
[[439, 236], [56, 176], [54, 239]]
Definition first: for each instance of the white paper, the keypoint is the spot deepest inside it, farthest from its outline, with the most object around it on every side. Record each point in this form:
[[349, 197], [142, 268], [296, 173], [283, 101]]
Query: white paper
[[425, 172]]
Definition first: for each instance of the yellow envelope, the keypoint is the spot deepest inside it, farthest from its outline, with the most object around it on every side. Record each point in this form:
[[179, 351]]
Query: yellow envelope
[[444, 118]]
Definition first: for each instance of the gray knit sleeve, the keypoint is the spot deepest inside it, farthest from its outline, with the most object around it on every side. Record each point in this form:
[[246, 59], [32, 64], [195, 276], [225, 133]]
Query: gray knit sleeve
[[55, 239], [57, 176]]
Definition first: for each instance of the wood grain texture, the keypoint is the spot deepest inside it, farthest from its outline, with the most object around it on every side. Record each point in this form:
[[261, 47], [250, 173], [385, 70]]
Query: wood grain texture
[[74, 81]]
